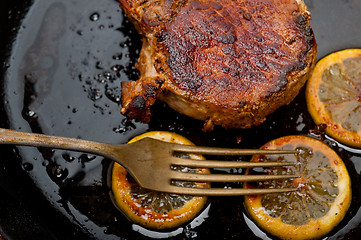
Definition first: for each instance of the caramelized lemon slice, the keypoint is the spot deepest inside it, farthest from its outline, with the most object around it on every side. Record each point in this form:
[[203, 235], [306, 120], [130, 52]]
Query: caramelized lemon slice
[[155, 209], [333, 95], [323, 198]]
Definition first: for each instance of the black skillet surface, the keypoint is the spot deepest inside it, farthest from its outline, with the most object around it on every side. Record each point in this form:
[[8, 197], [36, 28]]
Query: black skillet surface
[[62, 64]]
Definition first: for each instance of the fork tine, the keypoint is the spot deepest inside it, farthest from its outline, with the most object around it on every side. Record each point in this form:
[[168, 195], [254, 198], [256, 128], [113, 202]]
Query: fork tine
[[225, 191], [225, 164], [227, 177], [227, 151]]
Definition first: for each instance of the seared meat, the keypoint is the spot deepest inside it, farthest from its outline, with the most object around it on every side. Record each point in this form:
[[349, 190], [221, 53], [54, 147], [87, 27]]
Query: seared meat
[[229, 62]]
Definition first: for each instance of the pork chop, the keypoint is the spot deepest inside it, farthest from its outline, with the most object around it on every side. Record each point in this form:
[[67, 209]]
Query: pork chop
[[229, 62]]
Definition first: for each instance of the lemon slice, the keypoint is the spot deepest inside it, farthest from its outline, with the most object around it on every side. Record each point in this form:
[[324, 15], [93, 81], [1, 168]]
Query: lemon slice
[[323, 198], [333, 95], [156, 210]]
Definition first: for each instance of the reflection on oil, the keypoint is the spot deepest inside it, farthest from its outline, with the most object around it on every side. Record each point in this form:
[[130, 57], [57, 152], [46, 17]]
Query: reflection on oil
[[188, 230], [255, 229], [72, 66], [41, 60]]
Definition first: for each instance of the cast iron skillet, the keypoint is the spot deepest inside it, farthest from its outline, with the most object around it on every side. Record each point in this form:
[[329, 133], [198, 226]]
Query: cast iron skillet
[[24, 211], [62, 64]]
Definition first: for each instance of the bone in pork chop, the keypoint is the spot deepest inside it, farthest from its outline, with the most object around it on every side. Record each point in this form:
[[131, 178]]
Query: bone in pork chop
[[227, 62]]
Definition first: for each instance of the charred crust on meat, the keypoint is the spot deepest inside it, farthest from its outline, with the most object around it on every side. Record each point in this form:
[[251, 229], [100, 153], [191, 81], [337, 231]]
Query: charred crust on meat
[[302, 19], [138, 103], [150, 91], [229, 62], [198, 5], [182, 50], [138, 111], [241, 104], [160, 36], [160, 82], [247, 16]]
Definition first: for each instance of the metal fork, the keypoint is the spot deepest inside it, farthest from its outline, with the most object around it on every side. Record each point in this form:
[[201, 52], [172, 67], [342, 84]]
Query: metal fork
[[149, 161]]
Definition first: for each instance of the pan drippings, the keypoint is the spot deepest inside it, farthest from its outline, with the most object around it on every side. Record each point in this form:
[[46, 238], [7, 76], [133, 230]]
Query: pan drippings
[[63, 78]]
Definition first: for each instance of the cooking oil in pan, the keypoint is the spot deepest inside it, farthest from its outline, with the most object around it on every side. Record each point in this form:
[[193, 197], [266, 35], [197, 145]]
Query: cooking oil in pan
[[64, 77]]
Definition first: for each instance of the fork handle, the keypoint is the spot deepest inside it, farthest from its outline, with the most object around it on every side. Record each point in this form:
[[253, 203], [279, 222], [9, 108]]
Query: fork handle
[[8, 136]]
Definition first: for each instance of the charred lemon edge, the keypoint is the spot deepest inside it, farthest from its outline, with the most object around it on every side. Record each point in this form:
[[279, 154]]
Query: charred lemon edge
[[145, 216], [316, 107], [315, 228]]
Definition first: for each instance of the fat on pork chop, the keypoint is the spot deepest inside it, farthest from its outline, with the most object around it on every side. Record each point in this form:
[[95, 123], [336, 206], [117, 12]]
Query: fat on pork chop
[[228, 62]]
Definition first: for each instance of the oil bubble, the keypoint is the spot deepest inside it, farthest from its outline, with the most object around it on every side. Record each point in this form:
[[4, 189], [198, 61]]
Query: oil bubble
[[99, 65], [87, 158], [118, 56], [94, 17], [56, 172], [94, 94], [117, 68], [28, 166], [67, 157], [31, 113], [113, 94]]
